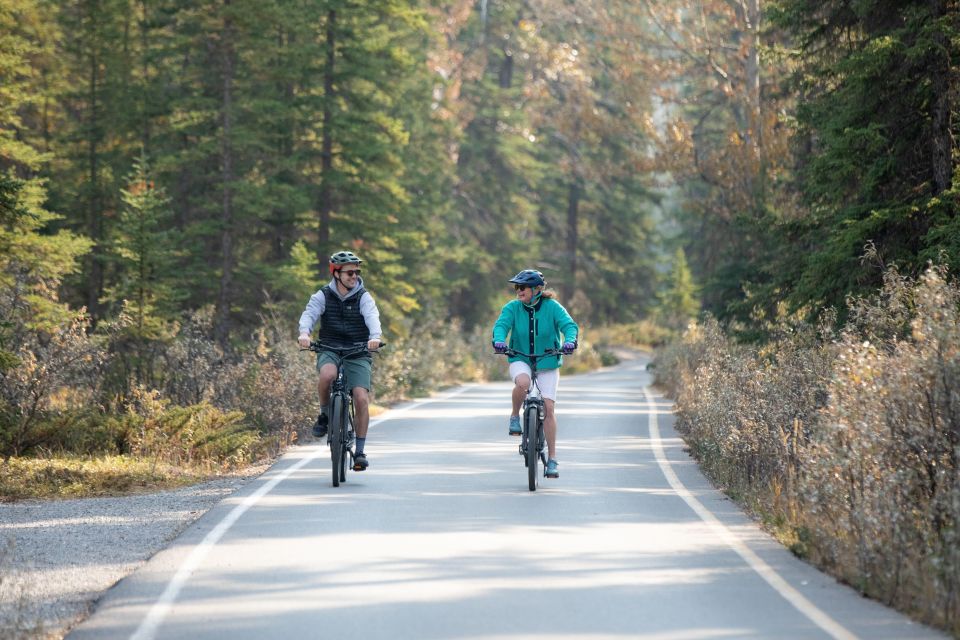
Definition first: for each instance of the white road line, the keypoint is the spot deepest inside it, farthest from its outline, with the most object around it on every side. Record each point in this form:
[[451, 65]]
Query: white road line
[[151, 623], [765, 571]]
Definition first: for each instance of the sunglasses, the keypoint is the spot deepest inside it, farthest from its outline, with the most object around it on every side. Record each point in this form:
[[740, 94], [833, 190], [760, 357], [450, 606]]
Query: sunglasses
[[350, 272], [520, 287]]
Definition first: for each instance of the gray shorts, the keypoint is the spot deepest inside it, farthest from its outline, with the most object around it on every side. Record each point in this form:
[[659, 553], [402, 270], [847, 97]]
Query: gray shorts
[[356, 371]]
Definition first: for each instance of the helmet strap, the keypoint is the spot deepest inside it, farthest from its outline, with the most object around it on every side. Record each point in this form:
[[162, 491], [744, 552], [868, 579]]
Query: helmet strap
[[337, 277], [534, 299]]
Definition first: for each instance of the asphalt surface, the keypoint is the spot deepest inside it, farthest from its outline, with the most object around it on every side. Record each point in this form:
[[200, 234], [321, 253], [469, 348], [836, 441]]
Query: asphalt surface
[[441, 538]]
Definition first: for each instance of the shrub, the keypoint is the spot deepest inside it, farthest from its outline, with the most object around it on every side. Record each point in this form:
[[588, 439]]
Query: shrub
[[848, 441], [61, 363], [882, 480], [437, 354], [643, 334], [197, 435]]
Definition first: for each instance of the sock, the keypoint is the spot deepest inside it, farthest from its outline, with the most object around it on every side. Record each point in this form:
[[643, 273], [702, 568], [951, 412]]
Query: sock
[[323, 409], [360, 442]]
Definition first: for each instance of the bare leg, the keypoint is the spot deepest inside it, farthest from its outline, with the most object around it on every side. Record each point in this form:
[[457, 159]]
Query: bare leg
[[520, 386], [361, 411], [550, 428], [327, 373]]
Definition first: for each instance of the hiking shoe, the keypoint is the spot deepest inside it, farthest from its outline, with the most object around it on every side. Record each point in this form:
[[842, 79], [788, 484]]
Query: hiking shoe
[[515, 429], [552, 471], [320, 426], [360, 462]]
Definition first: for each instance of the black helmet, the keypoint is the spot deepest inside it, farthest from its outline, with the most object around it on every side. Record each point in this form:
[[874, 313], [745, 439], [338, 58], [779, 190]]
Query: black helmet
[[529, 277], [341, 258]]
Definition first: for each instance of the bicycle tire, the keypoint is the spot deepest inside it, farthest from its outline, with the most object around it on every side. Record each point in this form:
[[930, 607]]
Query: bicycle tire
[[533, 449], [336, 437], [344, 450], [347, 452]]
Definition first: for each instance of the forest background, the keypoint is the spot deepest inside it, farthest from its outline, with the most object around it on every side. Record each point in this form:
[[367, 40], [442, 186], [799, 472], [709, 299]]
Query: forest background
[[173, 176]]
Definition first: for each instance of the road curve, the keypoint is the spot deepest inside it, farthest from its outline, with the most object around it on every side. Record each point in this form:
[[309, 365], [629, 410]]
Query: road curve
[[441, 538]]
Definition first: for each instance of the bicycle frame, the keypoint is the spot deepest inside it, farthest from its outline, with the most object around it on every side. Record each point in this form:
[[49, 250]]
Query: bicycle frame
[[533, 440], [340, 435]]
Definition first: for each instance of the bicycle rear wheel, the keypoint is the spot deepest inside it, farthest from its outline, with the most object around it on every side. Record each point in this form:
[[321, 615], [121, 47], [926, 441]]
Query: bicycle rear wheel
[[533, 447], [337, 435]]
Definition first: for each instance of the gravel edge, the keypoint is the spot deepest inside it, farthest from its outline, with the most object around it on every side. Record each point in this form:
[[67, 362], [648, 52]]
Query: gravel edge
[[57, 557]]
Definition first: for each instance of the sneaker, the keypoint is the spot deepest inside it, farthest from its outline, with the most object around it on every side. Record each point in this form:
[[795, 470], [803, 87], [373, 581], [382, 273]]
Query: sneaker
[[360, 462], [552, 471], [515, 429], [320, 426]]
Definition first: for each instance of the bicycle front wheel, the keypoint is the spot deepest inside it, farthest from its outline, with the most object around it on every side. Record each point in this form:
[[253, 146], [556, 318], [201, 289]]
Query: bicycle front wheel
[[533, 447], [337, 435]]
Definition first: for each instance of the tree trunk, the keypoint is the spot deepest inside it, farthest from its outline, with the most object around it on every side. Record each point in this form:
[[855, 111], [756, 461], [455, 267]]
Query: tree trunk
[[145, 133], [222, 315], [326, 156], [94, 201], [573, 215], [754, 113], [506, 71], [941, 137]]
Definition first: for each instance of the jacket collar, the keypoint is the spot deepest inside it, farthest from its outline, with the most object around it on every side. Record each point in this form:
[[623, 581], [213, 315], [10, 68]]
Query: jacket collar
[[336, 291]]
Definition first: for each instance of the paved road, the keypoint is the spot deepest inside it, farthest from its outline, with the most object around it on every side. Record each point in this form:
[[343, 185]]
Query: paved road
[[441, 538]]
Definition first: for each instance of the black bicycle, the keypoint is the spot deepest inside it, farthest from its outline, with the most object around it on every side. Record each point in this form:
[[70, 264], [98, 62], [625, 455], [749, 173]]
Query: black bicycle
[[532, 441], [340, 435]]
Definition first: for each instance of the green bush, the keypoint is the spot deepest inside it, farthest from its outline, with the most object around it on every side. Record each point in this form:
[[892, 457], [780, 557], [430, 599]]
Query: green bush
[[192, 436]]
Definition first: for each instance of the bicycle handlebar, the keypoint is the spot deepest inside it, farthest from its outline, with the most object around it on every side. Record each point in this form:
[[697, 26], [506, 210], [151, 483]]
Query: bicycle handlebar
[[532, 356], [343, 352]]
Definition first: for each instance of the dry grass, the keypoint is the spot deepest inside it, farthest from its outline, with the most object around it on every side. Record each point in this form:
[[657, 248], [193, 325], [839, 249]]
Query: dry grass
[[845, 443], [46, 478]]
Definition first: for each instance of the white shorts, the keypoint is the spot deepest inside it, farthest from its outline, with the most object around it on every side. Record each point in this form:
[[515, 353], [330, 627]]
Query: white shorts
[[547, 380]]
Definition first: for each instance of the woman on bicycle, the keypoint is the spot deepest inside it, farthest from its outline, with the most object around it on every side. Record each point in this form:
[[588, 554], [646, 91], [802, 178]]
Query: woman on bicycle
[[348, 315], [535, 322]]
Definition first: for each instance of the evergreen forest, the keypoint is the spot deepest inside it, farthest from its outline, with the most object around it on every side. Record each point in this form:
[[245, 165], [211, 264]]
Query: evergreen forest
[[172, 168], [160, 158], [763, 184]]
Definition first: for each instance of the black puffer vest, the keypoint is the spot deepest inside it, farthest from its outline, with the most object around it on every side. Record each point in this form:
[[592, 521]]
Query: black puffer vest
[[342, 322]]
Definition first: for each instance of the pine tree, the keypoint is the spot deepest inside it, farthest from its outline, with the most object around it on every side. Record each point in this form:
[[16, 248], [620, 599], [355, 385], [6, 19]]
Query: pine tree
[[879, 168], [495, 226], [92, 141], [33, 259], [600, 195], [677, 300], [143, 296]]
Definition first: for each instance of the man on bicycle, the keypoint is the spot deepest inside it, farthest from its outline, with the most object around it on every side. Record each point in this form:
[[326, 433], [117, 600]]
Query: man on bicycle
[[348, 315], [535, 322]]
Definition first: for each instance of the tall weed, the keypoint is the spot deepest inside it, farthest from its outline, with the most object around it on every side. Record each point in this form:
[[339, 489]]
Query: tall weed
[[56, 371], [847, 442]]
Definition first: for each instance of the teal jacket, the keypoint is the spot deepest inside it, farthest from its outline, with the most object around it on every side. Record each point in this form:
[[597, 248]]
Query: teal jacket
[[545, 325]]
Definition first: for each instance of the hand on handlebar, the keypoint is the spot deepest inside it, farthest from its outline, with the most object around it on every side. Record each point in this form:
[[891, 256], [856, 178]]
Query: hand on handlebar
[[568, 348], [500, 347], [304, 341]]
